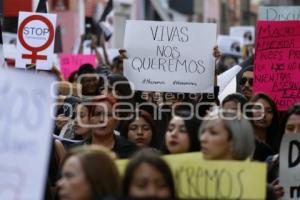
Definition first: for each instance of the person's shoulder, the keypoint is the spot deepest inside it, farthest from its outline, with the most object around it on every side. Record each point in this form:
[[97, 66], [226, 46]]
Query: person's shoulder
[[70, 145], [123, 147], [122, 142]]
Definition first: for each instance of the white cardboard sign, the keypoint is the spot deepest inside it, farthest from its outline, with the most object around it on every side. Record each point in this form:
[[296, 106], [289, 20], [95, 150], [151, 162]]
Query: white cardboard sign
[[35, 42], [230, 45], [279, 13], [289, 168], [247, 33], [25, 134], [2, 62], [169, 56]]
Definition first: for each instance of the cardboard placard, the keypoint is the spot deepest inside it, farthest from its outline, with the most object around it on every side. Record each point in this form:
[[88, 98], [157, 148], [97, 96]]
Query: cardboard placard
[[277, 55], [25, 134], [279, 13], [230, 45], [198, 179], [35, 42], [247, 33], [169, 56], [289, 166], [70, 63]]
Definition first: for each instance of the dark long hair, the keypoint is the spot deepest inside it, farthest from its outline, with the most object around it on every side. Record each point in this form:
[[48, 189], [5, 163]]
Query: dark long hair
[[192, 126], [273, 135], [294, 109], [237, 98], [149, 157], [148, 118]]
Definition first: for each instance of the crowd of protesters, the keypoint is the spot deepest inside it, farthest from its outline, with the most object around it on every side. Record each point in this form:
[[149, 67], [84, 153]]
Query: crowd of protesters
[[106, 120], [99, 118]]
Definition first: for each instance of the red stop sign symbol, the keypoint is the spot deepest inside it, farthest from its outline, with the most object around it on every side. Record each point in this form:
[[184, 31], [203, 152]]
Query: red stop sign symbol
[[34, 56]]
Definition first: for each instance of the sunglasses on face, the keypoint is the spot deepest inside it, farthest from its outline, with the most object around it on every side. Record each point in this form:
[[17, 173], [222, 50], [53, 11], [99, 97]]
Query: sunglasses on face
[[244, 80]]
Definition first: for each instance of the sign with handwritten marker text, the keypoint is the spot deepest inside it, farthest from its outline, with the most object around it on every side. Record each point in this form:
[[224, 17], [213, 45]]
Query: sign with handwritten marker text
[[289, 168], [169, 56], [277, 67], [70, 63], [198, 179], [279, 13], [25, 134]]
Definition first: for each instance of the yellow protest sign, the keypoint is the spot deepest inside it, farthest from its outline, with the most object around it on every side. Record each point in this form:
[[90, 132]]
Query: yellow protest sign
[[199, 179]]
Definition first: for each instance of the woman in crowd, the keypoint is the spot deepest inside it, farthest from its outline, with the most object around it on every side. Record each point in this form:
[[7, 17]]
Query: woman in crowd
[[266, 126], [81, 123], [103, 118], [148, 176], [235, 101], [56, 157], [140, 129], [181, 135], [89, 173], [291, 125], [77, 130], [65, 113], [226, 138]]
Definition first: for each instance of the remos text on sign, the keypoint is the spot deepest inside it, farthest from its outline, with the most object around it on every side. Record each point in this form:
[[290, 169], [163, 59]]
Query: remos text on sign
[[35, 44], [170, 57]]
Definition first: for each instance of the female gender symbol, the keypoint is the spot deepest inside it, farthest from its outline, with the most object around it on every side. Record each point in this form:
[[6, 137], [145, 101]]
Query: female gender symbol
[[34, 56]]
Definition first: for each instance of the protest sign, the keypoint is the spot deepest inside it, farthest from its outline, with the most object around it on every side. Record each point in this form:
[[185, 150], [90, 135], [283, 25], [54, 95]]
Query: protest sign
[[35, 42], [25, 134], [70, 63], [226, 77], [279, 13], [9, 38], [229, 89], [1, 48], [277, 68], [2, 62], [10, 51], [289, 166], [169, 56], [111, 53], [230, 45], [198, 179], [247, 33]]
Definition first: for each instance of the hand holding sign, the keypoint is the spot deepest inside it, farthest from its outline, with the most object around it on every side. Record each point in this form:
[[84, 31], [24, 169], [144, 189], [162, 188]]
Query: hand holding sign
[[171, 57]]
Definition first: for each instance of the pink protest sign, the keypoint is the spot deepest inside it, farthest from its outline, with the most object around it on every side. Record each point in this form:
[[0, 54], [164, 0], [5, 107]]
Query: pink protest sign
[[277, 61], [70, 63]]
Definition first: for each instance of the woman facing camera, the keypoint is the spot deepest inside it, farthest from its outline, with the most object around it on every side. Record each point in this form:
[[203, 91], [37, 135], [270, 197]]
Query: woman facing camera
[[181, 135], [266, 126], [89, 173], [148, 176], [140, 129], [223, 137], [226, 137]]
